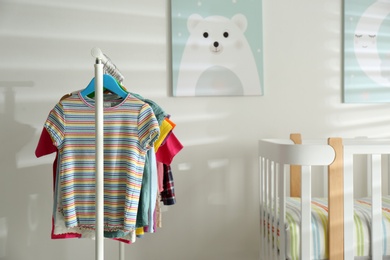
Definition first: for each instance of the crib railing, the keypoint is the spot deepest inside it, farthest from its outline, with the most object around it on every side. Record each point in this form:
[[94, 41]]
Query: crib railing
[[275, 159]]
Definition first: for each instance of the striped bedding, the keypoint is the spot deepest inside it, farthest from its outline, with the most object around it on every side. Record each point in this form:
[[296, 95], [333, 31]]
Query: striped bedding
[[319, 227]]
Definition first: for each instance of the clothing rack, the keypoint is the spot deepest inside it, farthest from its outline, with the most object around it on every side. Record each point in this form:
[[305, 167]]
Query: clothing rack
[[103, 65]]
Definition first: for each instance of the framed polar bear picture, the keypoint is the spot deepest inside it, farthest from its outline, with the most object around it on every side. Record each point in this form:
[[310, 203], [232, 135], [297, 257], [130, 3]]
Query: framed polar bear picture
[[366, 51], [217, 48]]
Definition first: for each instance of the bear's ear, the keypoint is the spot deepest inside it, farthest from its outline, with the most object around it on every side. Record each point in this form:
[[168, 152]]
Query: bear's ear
[[193, 21], [240, 21]]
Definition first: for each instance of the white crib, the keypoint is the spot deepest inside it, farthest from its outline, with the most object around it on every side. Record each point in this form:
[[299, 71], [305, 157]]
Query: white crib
[[338, 226]]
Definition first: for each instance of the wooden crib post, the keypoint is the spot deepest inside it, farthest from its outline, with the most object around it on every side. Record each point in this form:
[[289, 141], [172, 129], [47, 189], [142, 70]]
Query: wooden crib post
[[336, 201], [295, 171]]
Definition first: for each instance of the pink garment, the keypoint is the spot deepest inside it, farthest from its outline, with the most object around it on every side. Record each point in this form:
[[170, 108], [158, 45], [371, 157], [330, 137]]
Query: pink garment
[[169, 149], [160, 176]]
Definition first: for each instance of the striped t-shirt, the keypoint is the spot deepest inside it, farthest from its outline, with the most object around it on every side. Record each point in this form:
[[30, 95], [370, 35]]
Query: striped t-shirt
[[130, 129]]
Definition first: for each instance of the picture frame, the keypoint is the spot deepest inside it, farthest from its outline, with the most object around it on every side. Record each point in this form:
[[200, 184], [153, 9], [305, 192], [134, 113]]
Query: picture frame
[[366, 51], [217, 51]]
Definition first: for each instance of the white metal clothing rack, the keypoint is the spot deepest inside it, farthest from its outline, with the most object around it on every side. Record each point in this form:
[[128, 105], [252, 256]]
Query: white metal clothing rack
[[102, 65]]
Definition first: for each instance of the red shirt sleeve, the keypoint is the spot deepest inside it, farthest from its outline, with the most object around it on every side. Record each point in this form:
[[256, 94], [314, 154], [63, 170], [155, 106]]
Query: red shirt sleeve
[[45, 145]]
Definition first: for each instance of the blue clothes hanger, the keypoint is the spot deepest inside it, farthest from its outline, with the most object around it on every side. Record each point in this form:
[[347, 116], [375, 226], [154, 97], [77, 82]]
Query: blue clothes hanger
[[109, 83]]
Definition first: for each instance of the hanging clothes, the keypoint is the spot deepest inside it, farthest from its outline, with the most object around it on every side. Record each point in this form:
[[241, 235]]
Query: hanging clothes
[[135, 121], [130, 130]]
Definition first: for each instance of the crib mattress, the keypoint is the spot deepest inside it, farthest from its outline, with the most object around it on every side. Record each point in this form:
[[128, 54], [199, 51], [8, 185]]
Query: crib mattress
[[319, 218]]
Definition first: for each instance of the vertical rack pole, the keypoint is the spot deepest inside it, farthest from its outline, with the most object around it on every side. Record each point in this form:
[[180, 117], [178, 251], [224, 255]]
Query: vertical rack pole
[[121, 251], [99, 162], [99, 178]]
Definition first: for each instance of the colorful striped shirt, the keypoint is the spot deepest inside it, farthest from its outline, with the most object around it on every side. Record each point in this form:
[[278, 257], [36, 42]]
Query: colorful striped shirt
[[130, 129]]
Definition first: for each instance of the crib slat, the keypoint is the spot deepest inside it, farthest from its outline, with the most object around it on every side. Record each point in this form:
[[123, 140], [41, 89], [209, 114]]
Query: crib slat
[[261, 194], [306, 213], [295, 171], [267, 211], [282, 209], [335, 194], [376, 209], [275, 211]]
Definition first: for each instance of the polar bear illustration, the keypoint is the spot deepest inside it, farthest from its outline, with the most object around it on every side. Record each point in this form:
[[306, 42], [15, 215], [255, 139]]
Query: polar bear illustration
[[217, 59]]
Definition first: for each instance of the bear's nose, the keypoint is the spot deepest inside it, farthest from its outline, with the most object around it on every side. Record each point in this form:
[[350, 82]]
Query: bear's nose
[[216, 44]]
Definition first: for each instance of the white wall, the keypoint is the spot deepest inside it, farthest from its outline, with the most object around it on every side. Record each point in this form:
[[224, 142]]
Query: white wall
[[45, 52]]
